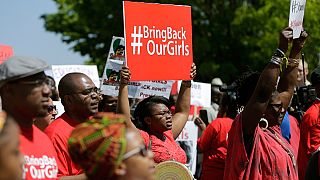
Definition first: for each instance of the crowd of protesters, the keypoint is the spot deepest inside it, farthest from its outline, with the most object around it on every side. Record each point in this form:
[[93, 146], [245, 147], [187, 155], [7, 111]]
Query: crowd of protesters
[[249, 132]]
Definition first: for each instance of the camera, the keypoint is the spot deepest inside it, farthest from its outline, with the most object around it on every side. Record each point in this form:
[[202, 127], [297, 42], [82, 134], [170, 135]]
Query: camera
[[302, 99]]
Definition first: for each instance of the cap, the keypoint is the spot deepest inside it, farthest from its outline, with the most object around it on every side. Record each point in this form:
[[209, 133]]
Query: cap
[[315, 76], [216, 82], [18, 67]]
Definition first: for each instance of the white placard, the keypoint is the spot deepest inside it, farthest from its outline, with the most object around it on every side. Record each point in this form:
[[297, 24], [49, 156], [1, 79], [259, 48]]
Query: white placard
[[200, 94], [138, 89], [297, 8], [58, 71], [188, 142], [60, 108]]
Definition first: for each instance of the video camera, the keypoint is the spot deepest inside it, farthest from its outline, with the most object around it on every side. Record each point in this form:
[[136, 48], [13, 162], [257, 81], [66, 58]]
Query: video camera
[[302, 99]]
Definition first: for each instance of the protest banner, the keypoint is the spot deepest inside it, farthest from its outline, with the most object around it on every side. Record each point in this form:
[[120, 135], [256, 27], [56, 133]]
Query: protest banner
[[200, 94], [188, 142], [161, 49], [297, 8], [58, 71], [111, 73], [5, 52], [137, 89]]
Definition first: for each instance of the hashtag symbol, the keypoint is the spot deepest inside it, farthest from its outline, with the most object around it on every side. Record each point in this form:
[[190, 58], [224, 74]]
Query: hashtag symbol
[[136, 40]]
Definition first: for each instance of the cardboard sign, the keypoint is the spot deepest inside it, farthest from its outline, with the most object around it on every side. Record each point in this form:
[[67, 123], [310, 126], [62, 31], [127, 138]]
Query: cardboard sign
[[58, 71], [296, 16], [200, 94], [137, 89], [158, 41], [141, 89], [5, 53], [188, 142], [111, 72]]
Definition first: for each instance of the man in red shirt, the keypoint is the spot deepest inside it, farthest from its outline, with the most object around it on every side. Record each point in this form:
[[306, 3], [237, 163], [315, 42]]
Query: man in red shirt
[[80, 99], [310, 128], [25, 95]]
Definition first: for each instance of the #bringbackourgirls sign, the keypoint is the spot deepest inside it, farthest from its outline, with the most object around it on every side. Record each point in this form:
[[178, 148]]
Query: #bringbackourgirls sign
[[158, 40]]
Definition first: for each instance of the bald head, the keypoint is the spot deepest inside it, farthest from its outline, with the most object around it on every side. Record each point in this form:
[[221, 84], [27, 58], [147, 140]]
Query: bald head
[[71, 83]]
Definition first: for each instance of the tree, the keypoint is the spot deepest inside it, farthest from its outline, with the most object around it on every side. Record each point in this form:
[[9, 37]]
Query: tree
[[228, 35]]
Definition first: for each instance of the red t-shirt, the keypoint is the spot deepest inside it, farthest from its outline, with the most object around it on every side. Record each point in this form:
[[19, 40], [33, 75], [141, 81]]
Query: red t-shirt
[[59, 132], [268, 158], [39, 155], [164, 150], [309, 136], [295, 134], [213, 143]]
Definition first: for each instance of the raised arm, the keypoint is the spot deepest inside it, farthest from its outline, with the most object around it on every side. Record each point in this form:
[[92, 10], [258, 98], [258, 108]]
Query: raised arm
[[258, 102], [288, 79], [123, 106], [183, 105]]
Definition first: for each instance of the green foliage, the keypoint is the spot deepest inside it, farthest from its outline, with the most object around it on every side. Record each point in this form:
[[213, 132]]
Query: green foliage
[[228, 35]]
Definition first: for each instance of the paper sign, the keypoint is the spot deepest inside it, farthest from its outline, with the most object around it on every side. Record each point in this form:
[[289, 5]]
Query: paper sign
[[158, 41], [141, 89], [137, 89], [188, 142], [58, 71], [200, 94], [5, 53], [111, 73], [296, 16]]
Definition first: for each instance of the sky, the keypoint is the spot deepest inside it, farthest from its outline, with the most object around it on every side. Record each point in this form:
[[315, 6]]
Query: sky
[[22, 29]]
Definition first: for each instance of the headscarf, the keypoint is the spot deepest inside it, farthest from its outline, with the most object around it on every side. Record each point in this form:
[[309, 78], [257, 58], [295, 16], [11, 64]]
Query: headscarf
[[98, 145]]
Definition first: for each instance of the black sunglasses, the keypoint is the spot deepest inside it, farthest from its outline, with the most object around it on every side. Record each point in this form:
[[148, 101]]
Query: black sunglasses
[[52, 107]]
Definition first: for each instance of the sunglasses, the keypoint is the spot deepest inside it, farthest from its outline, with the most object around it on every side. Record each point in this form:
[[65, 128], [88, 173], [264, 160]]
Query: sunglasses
[[52, 107], [139, 150]]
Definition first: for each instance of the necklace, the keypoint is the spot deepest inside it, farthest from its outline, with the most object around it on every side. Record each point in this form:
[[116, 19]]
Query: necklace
[[289, 152]]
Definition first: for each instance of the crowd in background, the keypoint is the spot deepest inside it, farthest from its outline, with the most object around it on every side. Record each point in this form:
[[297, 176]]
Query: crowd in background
[[263, 126]]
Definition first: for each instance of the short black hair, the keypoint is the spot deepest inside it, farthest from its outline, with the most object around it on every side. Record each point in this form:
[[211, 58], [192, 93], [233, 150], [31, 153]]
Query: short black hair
[[143, 110]]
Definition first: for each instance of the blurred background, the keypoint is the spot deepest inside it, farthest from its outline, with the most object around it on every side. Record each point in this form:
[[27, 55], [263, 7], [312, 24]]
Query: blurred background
[[229, 36]]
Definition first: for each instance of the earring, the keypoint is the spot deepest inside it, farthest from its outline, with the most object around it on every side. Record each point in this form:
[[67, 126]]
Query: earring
[[266, 122]]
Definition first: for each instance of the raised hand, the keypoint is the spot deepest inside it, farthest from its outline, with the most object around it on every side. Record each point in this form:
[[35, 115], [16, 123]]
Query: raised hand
[[298, 44], [193, 71], [125, 75], [285, 38]]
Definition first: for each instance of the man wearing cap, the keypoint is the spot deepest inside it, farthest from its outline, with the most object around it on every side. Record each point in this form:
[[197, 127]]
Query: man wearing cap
[[310, 128], [25, 95], [80, 98]]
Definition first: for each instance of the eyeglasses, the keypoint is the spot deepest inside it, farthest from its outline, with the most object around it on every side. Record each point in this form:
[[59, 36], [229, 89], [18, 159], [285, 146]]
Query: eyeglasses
[[139, 150], [164, 113], [51, 108], [38, 82], [89, 91], [276, 107]]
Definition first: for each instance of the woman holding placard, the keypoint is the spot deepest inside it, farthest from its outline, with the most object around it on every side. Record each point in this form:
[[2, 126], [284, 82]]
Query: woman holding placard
[[156, 124]]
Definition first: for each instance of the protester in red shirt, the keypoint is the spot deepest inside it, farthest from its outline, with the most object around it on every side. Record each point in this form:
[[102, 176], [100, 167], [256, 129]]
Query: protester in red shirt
[[11, 159], [213, 143], [80, 99], [256, 148], [310, 128], [106, 149], [157, 126], [25, 95]]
